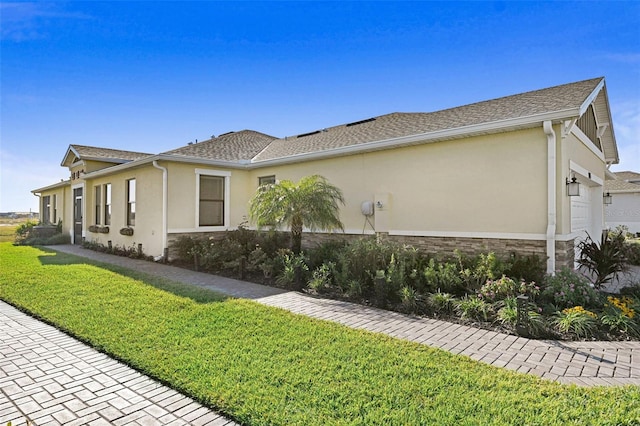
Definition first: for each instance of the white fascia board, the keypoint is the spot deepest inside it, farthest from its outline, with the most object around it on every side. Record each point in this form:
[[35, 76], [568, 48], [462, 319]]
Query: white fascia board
[[164, 157], [531, 121], [50, 187], [591, 97]]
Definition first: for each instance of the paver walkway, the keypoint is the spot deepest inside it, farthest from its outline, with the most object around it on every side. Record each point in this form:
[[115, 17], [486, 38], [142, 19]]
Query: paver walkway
[[582, 363], [49, 378], [45, 373]]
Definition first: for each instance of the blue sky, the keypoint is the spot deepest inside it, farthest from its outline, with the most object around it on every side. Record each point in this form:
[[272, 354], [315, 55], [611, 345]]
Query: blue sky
[[152, 76]]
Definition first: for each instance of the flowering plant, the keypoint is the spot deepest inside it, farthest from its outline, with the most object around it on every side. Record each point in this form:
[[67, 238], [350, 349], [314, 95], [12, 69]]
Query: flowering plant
[[567, 289], [500, 289]]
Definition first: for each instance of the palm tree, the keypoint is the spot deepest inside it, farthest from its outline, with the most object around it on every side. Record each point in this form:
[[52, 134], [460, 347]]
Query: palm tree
[[312, 202]]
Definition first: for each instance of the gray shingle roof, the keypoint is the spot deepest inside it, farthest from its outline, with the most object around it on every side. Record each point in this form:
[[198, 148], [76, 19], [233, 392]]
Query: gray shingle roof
[[235, 146], [96, 153], [624, 182], [553, 99], [628, 176]]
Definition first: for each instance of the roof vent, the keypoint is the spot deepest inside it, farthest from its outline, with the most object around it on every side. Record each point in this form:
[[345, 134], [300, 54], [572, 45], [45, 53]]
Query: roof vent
[[355, 123], [308, 134], [190, 143]]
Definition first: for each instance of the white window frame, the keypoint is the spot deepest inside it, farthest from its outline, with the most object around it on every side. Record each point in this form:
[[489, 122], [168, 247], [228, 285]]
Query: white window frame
[[128, 202], [106, 203], [227, 198]]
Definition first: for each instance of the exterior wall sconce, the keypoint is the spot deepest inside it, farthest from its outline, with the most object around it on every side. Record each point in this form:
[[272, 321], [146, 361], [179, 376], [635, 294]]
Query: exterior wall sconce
[[607, 198], [573, 187]]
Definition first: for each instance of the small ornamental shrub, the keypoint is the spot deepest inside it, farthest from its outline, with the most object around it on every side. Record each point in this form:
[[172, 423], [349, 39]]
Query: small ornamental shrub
[[23, 231], [443, 277], [576, 320], [619, 316], [508, 313], [538, 326], [567, 289], [480, 269], [473, 308], [528, 268], [321, 277], [442, 302], [288, 265], [409, 299], [633, 252], [604, 260], [495, 290]]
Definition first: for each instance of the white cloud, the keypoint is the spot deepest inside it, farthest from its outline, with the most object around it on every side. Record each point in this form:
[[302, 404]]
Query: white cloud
[[24, 21], [626, 125], [19, 175]]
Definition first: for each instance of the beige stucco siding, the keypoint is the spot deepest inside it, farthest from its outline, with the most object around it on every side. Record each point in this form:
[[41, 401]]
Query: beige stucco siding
[[574, 157], [485, 184], [148, 224], [182, 180], [63, 206]]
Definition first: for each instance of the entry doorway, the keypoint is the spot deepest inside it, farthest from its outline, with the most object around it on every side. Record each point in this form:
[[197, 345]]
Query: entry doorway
[[77, 216]]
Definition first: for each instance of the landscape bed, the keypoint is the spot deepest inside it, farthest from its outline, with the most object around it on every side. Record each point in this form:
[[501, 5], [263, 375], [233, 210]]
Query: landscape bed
[[262, 365]]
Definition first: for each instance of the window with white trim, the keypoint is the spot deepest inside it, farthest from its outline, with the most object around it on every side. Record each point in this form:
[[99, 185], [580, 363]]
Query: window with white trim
[[266, 180], [131, 202], [107, 204], [46, 209], [212, 198], [211, 201], [98, 204]]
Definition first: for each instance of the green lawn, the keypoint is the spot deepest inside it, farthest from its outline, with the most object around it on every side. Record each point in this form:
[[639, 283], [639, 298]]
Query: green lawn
[[262, 365]]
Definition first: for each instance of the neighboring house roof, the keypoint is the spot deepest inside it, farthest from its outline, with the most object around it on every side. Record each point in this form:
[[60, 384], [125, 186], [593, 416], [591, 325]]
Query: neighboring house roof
[[116, 156], [517, 111], [628, 176], [233, 146], [625, 182]]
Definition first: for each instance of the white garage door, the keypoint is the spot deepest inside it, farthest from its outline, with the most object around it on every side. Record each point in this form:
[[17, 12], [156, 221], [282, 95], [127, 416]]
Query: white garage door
[[581, 216]]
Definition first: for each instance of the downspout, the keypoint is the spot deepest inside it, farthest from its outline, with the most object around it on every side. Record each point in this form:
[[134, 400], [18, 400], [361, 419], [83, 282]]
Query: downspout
[[551, 196], [164, 208]]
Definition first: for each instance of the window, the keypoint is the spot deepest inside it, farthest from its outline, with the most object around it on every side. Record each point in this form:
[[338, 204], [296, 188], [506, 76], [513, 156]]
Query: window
[[98, 201], [55, 209], [266, 180], [211, 201], [107, 204], [131, 202], [46, 209]]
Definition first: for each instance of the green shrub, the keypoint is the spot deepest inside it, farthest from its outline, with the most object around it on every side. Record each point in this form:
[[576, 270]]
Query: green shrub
[[442, 302], [508, 313], [496, 290], [604, 260], [633, 252], [443, 277], [409, 299], [567, 289], [288, 265], [619, 315], [473, 308], [479, 269], [577, 320], [24, 231], [530, 268], [321, 277]]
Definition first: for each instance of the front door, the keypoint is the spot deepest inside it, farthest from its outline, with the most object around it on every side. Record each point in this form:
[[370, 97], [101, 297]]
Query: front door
[[77, 216]]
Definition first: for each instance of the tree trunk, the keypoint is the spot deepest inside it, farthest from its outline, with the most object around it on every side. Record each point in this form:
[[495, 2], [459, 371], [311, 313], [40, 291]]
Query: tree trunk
[[296, 235]]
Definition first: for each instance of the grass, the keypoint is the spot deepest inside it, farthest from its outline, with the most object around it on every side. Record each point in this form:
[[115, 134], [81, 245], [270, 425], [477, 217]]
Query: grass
[[8, 233], [262, 365]]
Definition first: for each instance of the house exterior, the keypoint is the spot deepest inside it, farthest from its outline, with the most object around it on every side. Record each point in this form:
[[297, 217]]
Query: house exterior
[[486, 176], [624, 209]]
